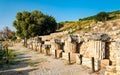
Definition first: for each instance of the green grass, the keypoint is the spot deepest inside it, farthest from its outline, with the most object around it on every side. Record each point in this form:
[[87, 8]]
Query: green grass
[[68, 63], [34, 63], [82, 23], [11, 57]]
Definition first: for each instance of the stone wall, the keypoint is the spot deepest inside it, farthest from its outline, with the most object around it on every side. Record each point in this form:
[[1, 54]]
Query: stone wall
[[70, 46], [81, 48], [112, 52]]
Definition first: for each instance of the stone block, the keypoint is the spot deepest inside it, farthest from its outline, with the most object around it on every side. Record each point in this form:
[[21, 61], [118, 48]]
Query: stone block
[[43, 51], [110, 73], [78, 59], [72, 56], [65, 55], [113, 62], [104, 63], [111, 69], [52, 52], [70, 46], [87, 62], [47, 42], [59, 53], [118, 70], [55, 46]]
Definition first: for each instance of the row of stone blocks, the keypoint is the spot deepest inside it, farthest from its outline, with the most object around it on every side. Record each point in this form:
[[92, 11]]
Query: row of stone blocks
[[92, 52], [73, 58]]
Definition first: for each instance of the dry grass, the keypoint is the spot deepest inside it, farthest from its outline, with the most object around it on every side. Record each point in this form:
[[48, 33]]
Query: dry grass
[[35, 62]]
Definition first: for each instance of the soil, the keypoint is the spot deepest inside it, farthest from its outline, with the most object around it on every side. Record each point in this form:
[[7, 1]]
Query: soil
[[35, 63]]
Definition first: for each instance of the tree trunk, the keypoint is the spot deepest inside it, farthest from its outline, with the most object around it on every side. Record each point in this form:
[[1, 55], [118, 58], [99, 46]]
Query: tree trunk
[[25, 42]]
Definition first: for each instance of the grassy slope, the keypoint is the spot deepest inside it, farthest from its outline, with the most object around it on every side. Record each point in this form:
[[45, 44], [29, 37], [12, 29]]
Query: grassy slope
[[83, 25]]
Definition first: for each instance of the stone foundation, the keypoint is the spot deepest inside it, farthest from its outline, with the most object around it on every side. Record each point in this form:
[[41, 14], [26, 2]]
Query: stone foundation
[[94, 50]]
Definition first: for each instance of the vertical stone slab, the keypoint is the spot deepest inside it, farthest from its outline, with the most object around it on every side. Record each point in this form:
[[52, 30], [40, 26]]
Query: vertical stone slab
[[118, 56], [99, 47], [40, 47], [54, 46]]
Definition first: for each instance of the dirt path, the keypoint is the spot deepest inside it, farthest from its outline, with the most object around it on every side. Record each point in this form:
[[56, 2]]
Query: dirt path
[[34, 63]]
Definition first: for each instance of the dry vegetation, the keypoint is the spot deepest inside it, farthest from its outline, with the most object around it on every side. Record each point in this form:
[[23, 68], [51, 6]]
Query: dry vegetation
[[87, 24]]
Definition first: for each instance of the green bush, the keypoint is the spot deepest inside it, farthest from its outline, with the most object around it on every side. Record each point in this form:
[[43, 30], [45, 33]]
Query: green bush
[[11, 57], [13, 38], [2, 53], [102, 16]]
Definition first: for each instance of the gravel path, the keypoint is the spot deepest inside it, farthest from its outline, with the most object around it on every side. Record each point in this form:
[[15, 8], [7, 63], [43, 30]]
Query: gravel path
[[34, 63]]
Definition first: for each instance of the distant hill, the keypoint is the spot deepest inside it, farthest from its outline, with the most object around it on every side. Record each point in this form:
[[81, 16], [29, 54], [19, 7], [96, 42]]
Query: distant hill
[[89, 23]]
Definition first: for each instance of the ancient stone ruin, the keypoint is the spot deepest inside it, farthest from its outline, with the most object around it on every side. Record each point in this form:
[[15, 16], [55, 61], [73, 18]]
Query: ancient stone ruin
[[94, 50]]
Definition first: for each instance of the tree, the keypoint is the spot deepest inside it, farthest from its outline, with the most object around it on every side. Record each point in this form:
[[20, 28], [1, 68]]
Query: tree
[[102, 16], [7, 33], [35, 23], [60, 25]]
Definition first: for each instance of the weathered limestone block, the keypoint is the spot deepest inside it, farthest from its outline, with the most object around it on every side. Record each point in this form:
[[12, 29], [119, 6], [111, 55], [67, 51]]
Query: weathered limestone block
[[88, 62], [83, 48], [95, 36], [118, 70], [70, 46], [72, 56], [47, 42], [104, 63], [78, 59], [46, 49], [118, 56], [71, 43], [55, 45], [65, 55], [97, 65], [94, 45], [93, 49], [74, 38], [112, 51], [99, 50], [59, 53], [87, 49], [34, 46], [52, 52], [39, 47], [30, 46], [59, 34]]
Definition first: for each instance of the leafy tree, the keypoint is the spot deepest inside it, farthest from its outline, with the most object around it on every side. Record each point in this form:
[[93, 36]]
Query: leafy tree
[[102, 16], [30, 24]]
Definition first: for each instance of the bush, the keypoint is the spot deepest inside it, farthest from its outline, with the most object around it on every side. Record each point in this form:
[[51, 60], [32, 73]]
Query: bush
[[13, 38], [102, 16]]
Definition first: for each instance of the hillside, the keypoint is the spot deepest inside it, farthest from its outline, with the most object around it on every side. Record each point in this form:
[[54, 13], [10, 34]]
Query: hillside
[[89, 24]]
